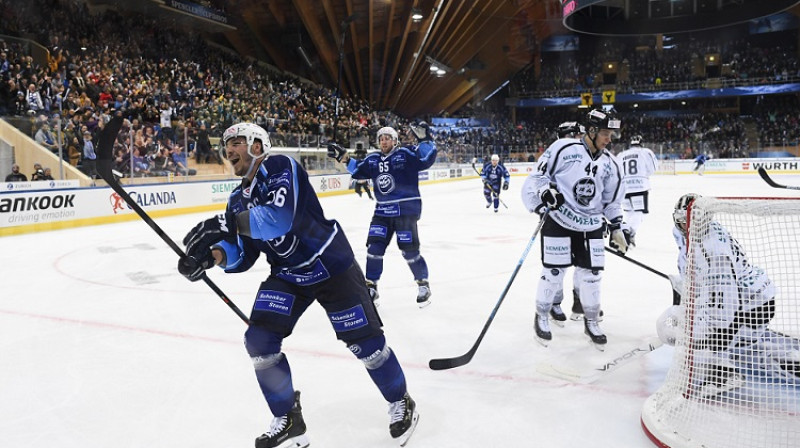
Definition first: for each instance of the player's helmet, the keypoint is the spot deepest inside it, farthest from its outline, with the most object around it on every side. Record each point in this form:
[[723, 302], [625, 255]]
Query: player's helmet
[[636, 140], [570, 129], [388, 130], [598, 119], [251, 132], [679, 215], [495, 158]]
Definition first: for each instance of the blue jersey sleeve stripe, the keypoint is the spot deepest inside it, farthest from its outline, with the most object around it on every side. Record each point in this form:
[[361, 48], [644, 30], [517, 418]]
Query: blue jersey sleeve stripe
[[233, 254]]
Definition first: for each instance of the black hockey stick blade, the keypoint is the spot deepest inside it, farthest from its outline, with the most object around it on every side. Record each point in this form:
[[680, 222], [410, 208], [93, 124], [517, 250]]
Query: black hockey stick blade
[[105, 148], [451, 363], [764, 175]]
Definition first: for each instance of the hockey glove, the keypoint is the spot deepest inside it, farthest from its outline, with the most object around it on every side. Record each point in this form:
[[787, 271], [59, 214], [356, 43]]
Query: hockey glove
[[195, 266], [505, 185], [422, 131], [336, 151], [677, 288], [198, 244], [621, 236], [552, 198]]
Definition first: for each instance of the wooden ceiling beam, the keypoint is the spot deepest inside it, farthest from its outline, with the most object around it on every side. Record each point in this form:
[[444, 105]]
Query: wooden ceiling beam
[[356, 50], [275, 54], [386, 44], [398, 58], [330, 14], [307, 11], [276, 12]]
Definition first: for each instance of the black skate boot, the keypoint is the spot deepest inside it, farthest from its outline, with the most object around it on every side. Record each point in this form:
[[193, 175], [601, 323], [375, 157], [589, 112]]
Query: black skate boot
[[423, 294], [288, 431], [372, 287], [403, 418], [577, 308], [592, 329], [541, 325], [557, 314]]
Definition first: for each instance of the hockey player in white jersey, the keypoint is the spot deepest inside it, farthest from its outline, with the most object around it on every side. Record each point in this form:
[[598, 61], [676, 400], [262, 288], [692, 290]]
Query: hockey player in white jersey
[[638, 164], [580, 182], [729, 333]]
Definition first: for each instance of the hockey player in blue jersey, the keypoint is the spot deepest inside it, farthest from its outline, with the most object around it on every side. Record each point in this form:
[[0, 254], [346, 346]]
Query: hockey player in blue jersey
[[394, 172], [275, 212], [700, 163], [495, 176]]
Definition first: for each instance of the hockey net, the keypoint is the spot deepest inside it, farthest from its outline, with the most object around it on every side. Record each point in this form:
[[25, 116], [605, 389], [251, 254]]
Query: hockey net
[[736, 387]]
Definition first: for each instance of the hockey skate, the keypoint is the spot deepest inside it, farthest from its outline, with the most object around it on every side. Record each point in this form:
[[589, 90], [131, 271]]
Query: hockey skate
[[721, 379], [592, 329], [557, 314], [541, 325], [288, 431], [372, 287], [423, 294], [403, 418], [577, 310]]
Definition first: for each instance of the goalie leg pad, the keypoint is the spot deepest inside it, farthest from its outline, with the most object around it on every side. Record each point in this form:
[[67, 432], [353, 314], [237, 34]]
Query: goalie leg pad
[[588, 284], [551, 282], [382, 366]]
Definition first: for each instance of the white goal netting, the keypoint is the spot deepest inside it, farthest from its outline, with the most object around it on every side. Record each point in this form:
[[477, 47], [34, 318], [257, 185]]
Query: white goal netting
[[734, 381]]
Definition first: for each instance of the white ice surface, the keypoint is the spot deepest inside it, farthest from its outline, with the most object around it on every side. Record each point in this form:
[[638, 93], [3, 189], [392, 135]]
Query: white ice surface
[[103, 344]]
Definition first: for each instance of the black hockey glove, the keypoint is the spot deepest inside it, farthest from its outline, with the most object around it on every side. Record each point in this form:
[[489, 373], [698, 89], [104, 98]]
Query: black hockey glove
[[552, 198], [198, 244], [620, 236], [422, 131], [505, 185], [336, 151]]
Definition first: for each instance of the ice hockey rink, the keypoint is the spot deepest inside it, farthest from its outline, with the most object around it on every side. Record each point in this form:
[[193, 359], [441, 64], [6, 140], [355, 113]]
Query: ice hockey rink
[[104, 344]]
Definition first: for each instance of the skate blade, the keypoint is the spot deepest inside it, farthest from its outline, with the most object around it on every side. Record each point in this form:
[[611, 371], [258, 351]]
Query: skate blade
[[424, 304], [576, 316], [300, 441], [599, 347], [543, 342], [559, 323], [403, 439]]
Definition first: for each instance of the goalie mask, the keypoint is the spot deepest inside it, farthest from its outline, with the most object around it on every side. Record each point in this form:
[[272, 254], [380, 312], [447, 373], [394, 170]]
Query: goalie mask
[[680, 214]]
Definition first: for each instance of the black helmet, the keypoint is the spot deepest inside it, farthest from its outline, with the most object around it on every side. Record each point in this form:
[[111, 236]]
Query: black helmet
[[598, 119], [570, 129], [636, 140]]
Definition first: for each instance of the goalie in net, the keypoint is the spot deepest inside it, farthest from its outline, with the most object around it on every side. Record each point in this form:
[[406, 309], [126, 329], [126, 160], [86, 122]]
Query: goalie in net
[[726, 352]]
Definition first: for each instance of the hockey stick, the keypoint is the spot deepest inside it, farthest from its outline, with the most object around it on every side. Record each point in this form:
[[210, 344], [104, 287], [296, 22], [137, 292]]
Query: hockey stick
[[637, 263], [458, 361], [763, 173], [105, 148], [496, 193], [600, 369]]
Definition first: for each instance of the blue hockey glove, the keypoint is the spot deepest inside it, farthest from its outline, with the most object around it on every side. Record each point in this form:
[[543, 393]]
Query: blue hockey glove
[[422, 131], [552, 198], [620, 237], [336, 151], [505, 185]]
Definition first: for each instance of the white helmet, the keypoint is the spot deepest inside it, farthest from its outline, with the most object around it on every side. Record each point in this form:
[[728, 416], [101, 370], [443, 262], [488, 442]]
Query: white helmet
[[388, 130], [251, 132], [495, 158]]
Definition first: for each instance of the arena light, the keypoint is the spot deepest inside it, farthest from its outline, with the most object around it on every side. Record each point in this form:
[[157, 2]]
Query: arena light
[[416, 15]]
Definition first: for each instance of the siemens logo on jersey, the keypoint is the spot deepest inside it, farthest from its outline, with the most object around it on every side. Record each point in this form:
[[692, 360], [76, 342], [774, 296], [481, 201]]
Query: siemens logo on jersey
[[37, 203]]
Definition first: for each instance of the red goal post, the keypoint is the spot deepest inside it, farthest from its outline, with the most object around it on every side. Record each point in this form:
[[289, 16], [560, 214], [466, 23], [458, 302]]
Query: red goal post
[[734, 380]]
